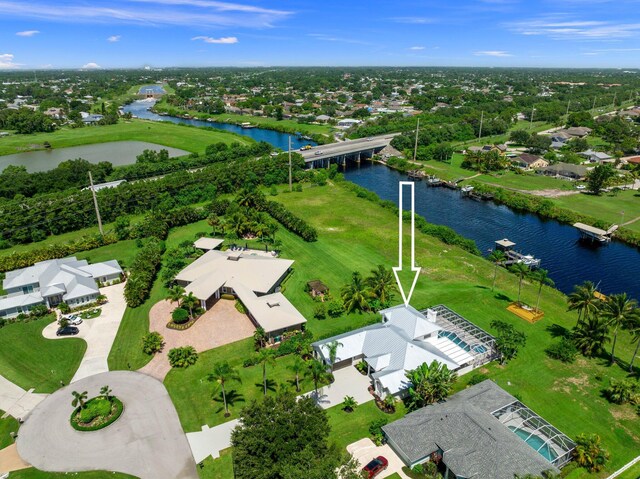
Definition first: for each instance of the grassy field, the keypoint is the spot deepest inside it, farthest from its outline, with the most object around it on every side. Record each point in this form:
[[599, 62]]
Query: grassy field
[[221, 468], [32, 473], [7, 425], [632, 473], [163, 133], [31, 361]]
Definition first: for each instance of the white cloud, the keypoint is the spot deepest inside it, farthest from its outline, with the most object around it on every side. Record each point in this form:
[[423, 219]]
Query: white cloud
[[91, 66], [413, 20], [492, 53], [158, 12], [330, 38], [562, 28], [114, 38], [6, 62], [27, 33], [416, 48], [224, 40]]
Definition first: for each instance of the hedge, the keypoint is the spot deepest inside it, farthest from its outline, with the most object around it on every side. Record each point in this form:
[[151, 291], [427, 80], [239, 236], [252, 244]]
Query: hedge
[[290, 221], [143, 272]]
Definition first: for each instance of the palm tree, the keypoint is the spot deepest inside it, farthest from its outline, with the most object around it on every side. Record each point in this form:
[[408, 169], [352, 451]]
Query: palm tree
[[619, 310], [106, 392], [266, 356], [214, 221], [589, 452], [429, 383], [332, 349], [297, 368], [583, 299], [176, 293], [318, 372], [222, 373], [349, 404], [382, 284], [190, 301], [497, 257], [521, 270], [354, 294], [634, 328], [259, 338], [590, 335], [79, 399], [542, 277]]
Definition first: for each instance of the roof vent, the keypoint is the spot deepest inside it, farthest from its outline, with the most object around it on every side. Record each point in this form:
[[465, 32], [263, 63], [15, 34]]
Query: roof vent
[[273, 305]]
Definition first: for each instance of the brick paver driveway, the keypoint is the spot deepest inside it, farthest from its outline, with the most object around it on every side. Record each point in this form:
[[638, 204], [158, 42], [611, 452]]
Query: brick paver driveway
[[222, 324]]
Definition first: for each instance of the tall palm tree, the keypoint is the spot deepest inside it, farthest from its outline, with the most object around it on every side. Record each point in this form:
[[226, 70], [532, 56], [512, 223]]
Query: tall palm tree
[[542, 277], [214, 221], [382, 284], [521, 270], [634, 329], [332, 348], [221, 374], [590, 335], [619, 310], [583, 299], [190, 301], [298, 367], [497, 257], [106, 392], [266, 357], [354, 295], [79, 399], [176, 293], [318, 372], [259, 338]]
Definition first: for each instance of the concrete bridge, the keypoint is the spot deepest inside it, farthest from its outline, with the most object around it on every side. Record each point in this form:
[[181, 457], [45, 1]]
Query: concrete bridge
[[355, 150]]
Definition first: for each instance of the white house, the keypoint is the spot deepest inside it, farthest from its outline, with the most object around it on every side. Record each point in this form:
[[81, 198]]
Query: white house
[[52, 282]]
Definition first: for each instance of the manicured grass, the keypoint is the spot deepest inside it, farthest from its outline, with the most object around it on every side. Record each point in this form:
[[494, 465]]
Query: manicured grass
[[347, 428], [632, 473], [7, 425], [31, 361], [525, 181], [161, 133], [194, 396], [221, 468], [32, 473]]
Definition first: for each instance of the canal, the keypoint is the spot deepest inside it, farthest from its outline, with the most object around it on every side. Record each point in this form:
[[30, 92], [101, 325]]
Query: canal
[[141, 109], [569, 261]]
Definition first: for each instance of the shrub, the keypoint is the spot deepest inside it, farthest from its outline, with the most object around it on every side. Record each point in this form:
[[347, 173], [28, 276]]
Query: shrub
[[240, 307], [38, 311], [180, 316], [152, 343], [375, 429], [320, 311], [95, 408], [64, 308], [564, 350], [143, 272], [290, 221], [477, 378], [335, 308], [623, 391], [183, 357], [362, 366]]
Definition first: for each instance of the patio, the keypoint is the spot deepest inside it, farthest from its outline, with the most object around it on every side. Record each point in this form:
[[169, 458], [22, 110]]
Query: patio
[[220, 325]]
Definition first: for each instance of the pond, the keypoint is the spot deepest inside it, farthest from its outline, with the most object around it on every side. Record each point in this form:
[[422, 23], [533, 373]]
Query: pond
[[118, 153]]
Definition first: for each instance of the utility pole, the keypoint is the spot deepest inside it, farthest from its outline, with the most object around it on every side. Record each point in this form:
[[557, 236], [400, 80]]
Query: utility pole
[[290, 181], [415, 146], [594, 103], [615, 97], [533, 109], [568, 104], [481, 120], [95, 203]]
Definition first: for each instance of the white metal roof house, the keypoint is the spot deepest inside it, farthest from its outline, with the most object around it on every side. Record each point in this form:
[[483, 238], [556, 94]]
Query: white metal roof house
[[52, 282], [480, 432], [407, 338], [252, 276]]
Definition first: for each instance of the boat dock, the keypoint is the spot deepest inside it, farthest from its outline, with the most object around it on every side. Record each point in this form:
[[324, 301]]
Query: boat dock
[[595, 234], [416, 174], [433, 180], [514, 257]]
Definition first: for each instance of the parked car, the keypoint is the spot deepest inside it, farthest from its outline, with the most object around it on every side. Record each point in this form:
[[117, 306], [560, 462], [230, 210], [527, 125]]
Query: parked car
[[580, 187], [319, 152], [70, 331], [73, 319], [375, 467]]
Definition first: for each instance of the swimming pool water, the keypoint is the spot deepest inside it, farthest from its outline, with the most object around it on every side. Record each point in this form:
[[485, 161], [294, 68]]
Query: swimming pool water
[[478, 348], [536, 442]]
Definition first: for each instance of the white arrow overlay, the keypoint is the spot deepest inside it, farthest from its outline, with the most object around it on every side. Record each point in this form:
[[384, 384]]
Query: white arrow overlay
[[406, 298]]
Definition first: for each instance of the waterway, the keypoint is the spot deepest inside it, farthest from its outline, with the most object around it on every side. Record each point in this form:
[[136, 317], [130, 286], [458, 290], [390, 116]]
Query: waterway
[[569, 261], [141, 109], [118, 153]]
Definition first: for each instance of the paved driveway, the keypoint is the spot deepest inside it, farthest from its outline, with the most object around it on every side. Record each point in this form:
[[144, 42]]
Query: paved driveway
[[222, 324], [99, 333], [348, 382], [147, 441], [365, 450], [210, 441], [16, 401]]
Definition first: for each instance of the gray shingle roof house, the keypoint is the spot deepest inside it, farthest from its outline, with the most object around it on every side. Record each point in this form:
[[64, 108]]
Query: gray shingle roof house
[[565, 170], [480, 432], [51, 282], [407, 338]]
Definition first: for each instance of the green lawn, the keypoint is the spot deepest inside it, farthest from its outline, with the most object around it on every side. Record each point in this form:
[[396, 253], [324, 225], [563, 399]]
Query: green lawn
[[162, 133], [221, 468], [7, 425], [31, 361], [32, 473], [632, 473]]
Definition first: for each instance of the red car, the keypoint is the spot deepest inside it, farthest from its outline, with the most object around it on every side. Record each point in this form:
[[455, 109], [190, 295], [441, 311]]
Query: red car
[[375, 467]]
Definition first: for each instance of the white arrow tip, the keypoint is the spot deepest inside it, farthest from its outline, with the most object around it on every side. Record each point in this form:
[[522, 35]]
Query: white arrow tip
[[406, 297]]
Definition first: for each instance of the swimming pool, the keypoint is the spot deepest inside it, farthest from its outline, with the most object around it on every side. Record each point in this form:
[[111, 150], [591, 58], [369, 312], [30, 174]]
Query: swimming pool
[[478, 348], [536, 442]]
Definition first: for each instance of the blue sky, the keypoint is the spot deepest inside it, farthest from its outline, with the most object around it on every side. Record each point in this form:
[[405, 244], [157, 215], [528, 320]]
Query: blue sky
[[160, 33]]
